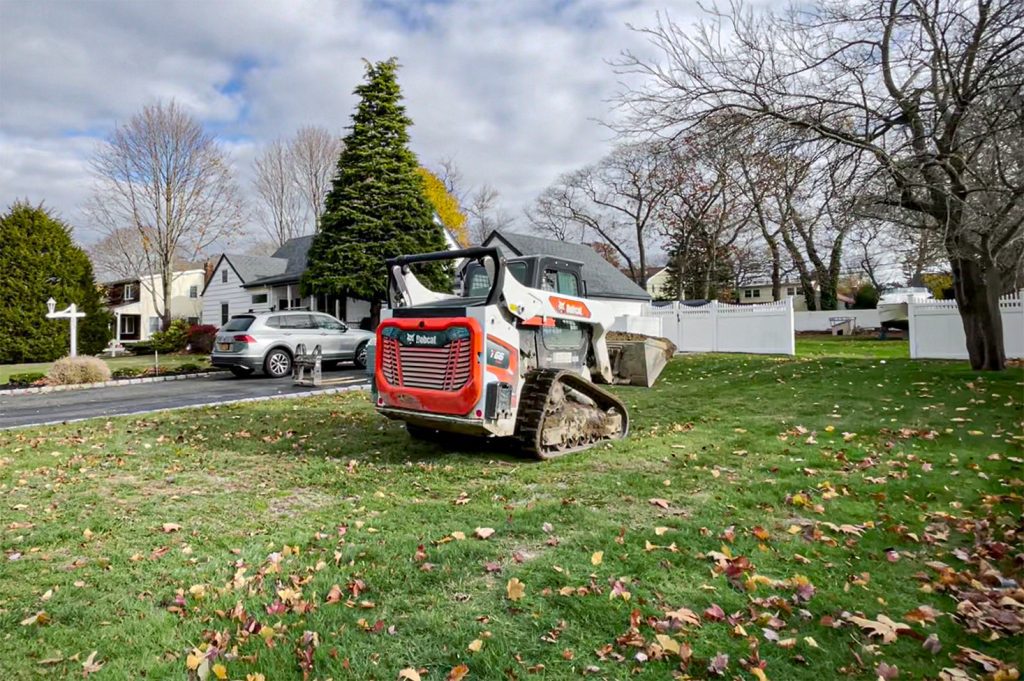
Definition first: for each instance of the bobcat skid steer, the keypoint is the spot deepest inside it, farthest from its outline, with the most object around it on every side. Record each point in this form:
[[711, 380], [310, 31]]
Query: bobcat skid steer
[[514, 353]]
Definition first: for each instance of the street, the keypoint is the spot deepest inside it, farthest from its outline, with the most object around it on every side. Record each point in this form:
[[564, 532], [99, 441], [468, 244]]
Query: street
[[55, 407]]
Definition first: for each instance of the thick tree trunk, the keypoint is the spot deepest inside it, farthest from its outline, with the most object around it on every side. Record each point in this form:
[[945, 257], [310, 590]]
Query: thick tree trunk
[[374, 314], [977, 290]]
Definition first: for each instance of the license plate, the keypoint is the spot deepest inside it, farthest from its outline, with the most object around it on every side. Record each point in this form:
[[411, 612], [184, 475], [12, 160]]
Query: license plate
[[224, 347]]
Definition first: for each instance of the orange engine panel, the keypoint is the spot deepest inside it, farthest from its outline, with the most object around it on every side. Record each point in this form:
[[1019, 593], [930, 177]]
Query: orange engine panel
[[430, 365]]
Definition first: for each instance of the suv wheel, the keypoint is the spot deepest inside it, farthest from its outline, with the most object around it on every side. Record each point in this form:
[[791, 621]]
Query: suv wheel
[[360, 358], [278, 363]]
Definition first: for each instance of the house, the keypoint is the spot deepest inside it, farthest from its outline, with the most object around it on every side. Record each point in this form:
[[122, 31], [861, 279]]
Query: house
[[658, 284], [601, 279], [250, 283], [761, 292], [136, 302], [255, 283]]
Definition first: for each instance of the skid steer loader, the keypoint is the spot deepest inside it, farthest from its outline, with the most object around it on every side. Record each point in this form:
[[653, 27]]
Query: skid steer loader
[[514, 352]]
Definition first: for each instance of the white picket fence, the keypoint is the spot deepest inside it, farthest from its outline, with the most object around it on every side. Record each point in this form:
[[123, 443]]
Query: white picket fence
[[719, 327], [936, 331]]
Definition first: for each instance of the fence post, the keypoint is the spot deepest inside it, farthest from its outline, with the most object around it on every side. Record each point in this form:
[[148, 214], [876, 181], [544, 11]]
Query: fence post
[[714, 326], [911, 331], [792, 326]]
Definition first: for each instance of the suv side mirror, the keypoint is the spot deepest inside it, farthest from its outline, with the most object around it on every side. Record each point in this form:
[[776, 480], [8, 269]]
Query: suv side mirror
[[344, 327]]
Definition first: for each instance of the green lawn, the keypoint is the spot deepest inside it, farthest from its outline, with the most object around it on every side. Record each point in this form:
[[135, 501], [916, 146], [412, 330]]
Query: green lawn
[[781, 509], [140, 362]]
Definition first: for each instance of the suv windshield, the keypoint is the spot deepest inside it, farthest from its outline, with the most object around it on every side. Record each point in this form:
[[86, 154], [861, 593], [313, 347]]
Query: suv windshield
[[238, 324]]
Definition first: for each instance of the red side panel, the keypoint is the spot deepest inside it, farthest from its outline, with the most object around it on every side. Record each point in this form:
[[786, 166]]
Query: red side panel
[[435, 378]]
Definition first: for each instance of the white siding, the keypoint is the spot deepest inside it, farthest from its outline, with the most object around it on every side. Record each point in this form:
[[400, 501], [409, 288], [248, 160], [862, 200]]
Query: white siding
[[239, 300]]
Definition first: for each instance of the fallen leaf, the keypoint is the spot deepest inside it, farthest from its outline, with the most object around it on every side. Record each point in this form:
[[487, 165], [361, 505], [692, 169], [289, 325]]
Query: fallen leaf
[[91, 665], [457, 673], [483, 532], [597, 557], [932, 644], [884, 627], [39, 618], [220, 671], [170, 527], [409, 674], [668, 644], [515, 589], [886, 672], [658, 531], [660, 503], [719, 663]]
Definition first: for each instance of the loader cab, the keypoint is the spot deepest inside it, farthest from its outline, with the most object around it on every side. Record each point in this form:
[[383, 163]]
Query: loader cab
[[536, 271], [565, 344]]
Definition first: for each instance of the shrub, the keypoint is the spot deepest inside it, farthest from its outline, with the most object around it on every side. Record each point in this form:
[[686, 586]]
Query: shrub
[[201, 337], [127, 372], [141, 348], [174, 339], [189, 368], [25, 379], [69, 370]]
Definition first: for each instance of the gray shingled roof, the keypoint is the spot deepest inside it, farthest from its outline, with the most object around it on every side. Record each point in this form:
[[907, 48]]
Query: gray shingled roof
[[603, 280], [252, 267], [294, 254]]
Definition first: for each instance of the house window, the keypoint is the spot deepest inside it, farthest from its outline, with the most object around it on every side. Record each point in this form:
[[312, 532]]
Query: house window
[[192, 321], [791, 291], [129, 292], [757, 293], [747, 293], [224, 275], [259, 299], [154, 324], [127, 325], [193, 291], [282, 304], [224, 314]]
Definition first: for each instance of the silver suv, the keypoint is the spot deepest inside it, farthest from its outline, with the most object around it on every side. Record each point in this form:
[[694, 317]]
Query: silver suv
[[266, 342]]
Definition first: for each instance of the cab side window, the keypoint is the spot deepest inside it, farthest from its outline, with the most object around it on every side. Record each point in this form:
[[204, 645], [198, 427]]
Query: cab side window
[[561, 281]]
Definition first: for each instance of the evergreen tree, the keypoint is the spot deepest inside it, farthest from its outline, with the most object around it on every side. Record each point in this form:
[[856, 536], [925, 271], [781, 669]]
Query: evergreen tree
[[377, 207], [38, 260]]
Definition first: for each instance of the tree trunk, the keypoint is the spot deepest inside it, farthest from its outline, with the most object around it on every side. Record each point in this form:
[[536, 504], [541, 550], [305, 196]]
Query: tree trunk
[[166, 279], [374, 314], [977, 291]]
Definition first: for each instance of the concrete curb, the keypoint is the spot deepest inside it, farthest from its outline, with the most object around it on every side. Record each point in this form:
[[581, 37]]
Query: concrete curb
[[105, 384], [205, 405]]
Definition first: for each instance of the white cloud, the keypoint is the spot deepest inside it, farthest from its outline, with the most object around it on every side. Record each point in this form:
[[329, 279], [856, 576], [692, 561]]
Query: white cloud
[[508, 89]]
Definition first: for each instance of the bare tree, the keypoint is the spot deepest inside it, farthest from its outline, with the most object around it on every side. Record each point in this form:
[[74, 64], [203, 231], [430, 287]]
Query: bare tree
[[615, 199], [120, 254], [283, 212], [926, 93], [485, 214], [164, 177], [314, 153]]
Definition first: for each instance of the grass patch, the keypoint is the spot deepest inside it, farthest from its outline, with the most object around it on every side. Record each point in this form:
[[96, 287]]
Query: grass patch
[[790, 496], [141, 362]]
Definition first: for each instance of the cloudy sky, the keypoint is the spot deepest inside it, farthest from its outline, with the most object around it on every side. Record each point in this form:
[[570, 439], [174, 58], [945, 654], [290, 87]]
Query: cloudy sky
[[509, 89]]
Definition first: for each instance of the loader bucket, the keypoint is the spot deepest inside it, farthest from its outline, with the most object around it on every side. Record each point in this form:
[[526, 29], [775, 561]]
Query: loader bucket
[[639, 360]]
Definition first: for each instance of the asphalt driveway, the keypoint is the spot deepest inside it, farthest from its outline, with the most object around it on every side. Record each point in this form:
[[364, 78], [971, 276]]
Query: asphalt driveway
[[73, 405]]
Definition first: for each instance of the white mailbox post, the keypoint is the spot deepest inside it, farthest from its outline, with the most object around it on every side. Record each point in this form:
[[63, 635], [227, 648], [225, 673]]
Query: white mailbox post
[[70, 312]]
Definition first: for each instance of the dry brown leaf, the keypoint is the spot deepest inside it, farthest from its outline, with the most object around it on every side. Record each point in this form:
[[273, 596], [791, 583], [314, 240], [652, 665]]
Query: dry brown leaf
[[515, 589]]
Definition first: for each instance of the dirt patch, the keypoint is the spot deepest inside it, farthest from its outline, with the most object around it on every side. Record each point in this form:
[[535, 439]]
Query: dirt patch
[[299, 500]]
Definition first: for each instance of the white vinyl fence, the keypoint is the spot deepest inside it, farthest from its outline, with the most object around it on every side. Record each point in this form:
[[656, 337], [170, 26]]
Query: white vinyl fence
[[719, 327], [936, 331]]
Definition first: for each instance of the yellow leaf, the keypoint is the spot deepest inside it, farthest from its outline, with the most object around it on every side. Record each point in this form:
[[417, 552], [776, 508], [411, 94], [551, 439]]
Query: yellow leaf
[[759, 674], [458, 673], [255, 677], [88, 534], [810, 641], [220, 671], [475, 645], [483, 532], [667, 643], [193, 660], [409, 674], [458, 535], [658, 531], [515, 589], [597, 558]]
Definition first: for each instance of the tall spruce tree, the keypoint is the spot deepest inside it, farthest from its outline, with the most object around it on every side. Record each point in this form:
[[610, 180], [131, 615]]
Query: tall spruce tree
[[38, 260], [377, 207]]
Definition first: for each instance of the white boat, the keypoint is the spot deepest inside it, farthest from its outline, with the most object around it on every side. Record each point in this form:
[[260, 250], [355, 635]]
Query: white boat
[[892, 305]]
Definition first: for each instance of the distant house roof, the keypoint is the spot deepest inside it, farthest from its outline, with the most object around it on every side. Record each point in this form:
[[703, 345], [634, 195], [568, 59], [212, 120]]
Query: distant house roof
[[294, 255], [603, 280]]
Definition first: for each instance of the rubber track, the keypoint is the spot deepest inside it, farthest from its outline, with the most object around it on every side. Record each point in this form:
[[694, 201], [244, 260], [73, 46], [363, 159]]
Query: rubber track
[[533, 405]]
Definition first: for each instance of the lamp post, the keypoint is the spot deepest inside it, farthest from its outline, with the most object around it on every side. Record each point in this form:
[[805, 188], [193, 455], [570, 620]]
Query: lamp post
[[70, 312]]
